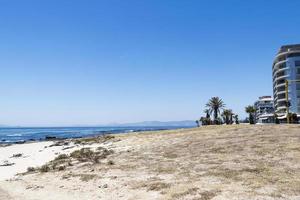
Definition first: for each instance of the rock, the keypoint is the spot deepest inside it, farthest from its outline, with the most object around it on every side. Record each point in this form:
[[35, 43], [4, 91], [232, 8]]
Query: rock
[[7, 163], [50, 137], [20, 142], [103, 186], [18, 155]]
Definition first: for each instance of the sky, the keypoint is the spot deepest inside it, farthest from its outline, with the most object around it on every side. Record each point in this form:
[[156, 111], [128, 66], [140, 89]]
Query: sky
[[71, 62]]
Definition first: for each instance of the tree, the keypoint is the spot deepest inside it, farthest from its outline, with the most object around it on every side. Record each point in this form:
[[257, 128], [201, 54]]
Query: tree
[[207, 112], [227, 114], [236, 119], [251, 111], [205, 121], [293, 118], [215, 104]]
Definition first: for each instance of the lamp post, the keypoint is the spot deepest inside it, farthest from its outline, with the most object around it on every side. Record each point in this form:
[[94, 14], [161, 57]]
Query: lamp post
[[287, 97]]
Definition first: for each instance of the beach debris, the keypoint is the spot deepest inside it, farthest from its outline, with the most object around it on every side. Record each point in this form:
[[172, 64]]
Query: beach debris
[[6, 163]]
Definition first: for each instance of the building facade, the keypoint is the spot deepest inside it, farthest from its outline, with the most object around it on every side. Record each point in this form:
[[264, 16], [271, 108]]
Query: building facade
[[264, 110], [286, 66]]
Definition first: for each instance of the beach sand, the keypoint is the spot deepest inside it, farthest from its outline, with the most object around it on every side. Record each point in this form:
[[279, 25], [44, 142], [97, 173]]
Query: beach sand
[[215, 162]]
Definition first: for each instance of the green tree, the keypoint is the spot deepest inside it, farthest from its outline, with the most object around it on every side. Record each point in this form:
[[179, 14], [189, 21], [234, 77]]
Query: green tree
[[215, 105], [227, 114], [207, 116], [207, 113], [205, 121], [236, 119], [251, 111], [293, 118]]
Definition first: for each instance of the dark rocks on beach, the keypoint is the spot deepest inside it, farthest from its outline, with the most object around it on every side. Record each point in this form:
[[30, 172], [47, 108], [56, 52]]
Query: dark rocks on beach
[[6, 163], [50, 138], [20, 142], [18, 155]]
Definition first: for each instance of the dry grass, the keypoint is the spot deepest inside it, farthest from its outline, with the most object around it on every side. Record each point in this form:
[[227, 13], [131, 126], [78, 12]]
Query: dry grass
[[219, 157], [214, 162]]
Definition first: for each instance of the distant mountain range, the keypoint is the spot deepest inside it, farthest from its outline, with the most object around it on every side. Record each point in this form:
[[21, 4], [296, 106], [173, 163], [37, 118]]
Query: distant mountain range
[[185, 123]]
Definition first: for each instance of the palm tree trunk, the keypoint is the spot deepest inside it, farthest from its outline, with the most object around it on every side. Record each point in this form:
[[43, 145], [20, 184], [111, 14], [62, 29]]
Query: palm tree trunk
[[216, 116]]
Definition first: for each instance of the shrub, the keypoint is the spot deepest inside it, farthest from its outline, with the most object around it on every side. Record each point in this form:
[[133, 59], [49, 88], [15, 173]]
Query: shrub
[[30, 169], [110, 162], [45, 168], [62, 157], [61, 167]]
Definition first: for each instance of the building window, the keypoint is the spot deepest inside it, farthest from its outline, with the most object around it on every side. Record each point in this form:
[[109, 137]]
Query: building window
[[297, 63]]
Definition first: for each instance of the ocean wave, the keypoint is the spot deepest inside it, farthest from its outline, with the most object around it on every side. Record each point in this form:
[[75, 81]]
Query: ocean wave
[[14, 135]]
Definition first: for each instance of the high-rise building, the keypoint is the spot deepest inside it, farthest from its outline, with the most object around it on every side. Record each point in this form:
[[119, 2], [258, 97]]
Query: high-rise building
[[286, 66], [264, 110]]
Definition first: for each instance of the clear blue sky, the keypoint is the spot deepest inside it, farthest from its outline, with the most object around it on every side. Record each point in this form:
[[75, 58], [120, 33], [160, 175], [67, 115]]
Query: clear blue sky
[[96, 62]]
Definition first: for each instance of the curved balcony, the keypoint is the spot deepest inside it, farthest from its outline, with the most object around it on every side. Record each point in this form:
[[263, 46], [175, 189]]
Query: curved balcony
[[280, 78], [280, 70], [286, 53], [281, 100], [275, 65], [282, 92], [280, 85], [281, 108]]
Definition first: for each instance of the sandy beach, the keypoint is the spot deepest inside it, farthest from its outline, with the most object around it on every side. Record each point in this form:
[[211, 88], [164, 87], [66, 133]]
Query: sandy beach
[[214, 162]]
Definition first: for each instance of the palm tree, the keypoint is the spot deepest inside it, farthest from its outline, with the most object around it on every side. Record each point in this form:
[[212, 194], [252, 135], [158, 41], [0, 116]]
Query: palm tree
[[251, 111], [215, 104], [227, 113], [207, 112]]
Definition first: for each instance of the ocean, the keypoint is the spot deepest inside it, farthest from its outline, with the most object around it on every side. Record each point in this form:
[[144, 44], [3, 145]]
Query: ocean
[[19, 135]]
